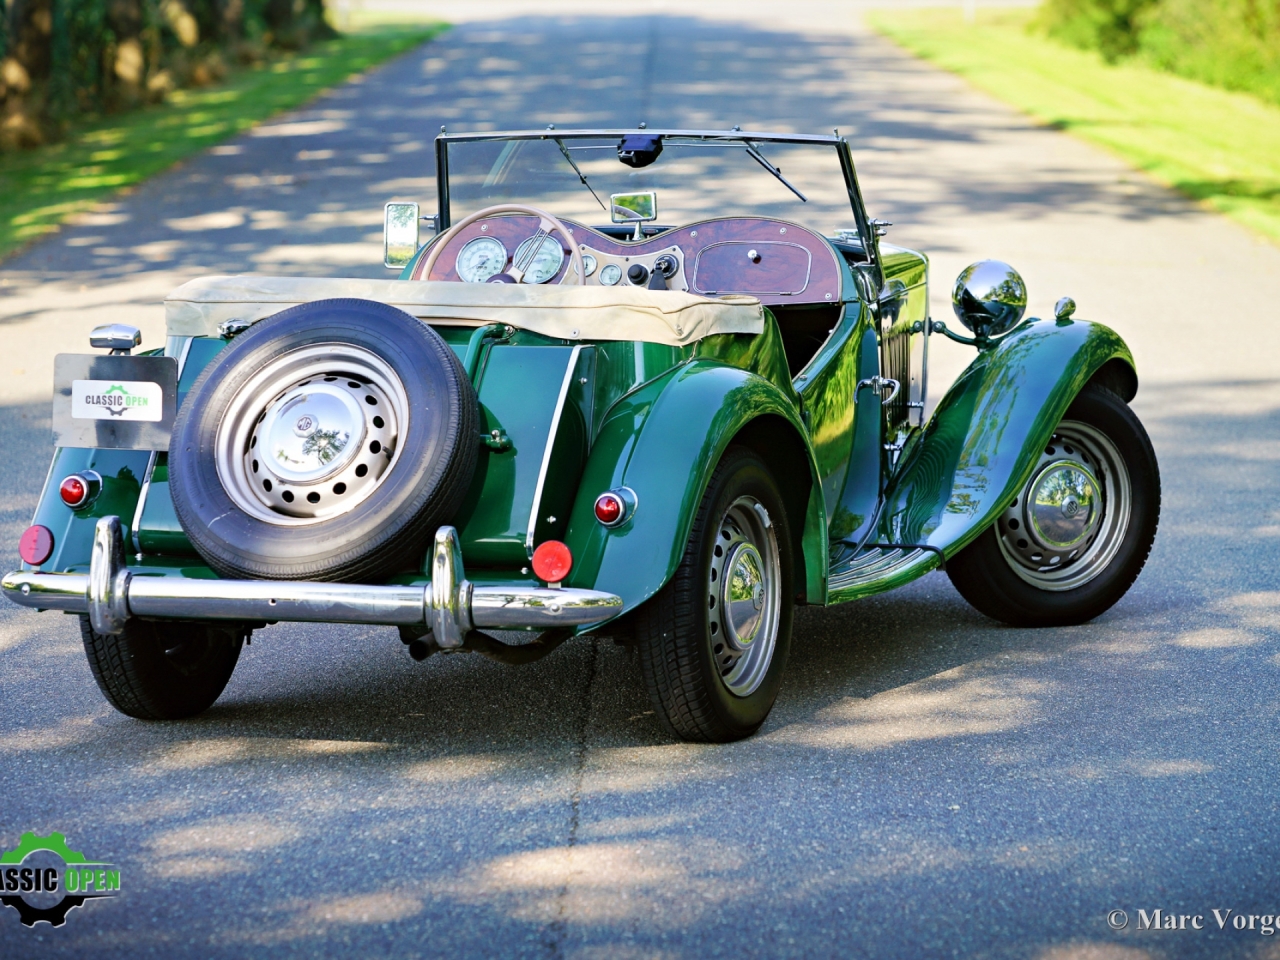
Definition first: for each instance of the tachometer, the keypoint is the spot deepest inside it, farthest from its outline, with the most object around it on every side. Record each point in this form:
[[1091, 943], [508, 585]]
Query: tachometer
[[480, 259], [543, 264]]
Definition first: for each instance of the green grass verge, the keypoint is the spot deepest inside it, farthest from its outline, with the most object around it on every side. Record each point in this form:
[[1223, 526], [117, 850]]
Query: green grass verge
[[40, 188], [1218, 147]]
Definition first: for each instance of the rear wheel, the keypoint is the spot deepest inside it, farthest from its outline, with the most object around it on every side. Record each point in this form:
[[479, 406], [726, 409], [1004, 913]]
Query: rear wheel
[[713, 642], [1077, 536], [163, 670]]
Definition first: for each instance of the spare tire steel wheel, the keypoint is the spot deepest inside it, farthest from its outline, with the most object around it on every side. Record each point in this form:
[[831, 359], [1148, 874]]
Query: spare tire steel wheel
[[325, 443]]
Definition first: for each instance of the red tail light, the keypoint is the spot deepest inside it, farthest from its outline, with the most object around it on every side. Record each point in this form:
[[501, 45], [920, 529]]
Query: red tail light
[[80, 489], [609, 508], [552, 561], [74, 491], [615, 507], [36, 545]]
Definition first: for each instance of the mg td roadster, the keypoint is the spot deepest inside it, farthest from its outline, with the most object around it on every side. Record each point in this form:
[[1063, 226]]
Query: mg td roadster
[[661, 386]]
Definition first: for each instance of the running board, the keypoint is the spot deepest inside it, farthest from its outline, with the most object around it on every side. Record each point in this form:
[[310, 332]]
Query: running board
[[880, 567]]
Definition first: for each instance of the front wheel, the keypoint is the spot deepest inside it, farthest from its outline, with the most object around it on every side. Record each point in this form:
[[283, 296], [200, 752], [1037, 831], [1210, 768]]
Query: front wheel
[[1077, 536], [713, 642], [157, 670]]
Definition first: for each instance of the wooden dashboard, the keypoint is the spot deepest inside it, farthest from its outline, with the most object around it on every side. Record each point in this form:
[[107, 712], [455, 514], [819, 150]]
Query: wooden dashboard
[[776, 261]]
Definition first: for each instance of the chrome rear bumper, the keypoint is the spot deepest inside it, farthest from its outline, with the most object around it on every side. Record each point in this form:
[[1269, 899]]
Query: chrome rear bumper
[[449, 605]]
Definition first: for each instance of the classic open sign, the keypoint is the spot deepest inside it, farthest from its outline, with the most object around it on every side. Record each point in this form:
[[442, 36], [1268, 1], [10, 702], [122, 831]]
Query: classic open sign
[[117, 400]]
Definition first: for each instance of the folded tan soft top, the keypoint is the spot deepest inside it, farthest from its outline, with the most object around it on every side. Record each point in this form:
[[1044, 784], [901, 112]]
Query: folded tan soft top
[[567, 312]]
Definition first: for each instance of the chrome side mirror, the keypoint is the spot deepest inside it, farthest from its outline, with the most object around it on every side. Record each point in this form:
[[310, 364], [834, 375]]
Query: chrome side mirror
[[399, 234], [989, 297]]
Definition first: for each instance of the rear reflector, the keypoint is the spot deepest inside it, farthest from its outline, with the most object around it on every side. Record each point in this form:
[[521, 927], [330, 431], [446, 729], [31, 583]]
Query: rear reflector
[[36, 545], [552, 561]]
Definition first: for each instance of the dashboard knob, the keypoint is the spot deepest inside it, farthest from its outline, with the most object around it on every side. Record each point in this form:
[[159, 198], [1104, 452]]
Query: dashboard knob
[[637, 273], [753, 256]]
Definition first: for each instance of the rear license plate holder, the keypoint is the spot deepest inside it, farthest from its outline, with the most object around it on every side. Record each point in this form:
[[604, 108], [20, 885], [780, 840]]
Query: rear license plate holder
[[114, 402]]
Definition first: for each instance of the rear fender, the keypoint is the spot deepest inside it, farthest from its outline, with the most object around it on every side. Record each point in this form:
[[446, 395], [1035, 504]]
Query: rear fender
[[664, 442], [984, 439]]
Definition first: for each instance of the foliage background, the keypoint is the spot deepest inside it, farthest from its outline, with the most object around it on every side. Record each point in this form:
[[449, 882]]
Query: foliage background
[[63, 59], [1233, 44]]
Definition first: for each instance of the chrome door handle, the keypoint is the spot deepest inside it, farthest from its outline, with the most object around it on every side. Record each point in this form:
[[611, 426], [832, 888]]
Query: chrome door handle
[[878, 384]]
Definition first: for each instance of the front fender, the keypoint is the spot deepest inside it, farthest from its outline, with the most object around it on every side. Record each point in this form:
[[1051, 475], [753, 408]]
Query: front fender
[[987, 433], [664, 441]]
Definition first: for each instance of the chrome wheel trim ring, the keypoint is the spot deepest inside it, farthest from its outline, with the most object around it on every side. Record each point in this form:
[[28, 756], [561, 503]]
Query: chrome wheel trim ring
[[744, 596], [376, 415], [1045, 565]]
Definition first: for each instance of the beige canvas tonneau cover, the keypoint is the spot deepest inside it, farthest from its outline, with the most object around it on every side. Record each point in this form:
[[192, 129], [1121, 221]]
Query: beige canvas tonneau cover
[[567, 312]]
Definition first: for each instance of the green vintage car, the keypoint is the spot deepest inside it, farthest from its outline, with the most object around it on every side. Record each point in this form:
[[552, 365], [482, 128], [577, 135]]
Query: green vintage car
[[656, 385]]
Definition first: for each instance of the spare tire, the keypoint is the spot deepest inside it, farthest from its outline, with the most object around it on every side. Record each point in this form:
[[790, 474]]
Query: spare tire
[[325, 443]]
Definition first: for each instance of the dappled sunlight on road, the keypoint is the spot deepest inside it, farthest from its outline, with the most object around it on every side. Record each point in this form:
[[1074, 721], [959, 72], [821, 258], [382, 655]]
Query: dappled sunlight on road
[[311, 918], [67, 732], [198, 754], [955, 703], [218, 845], [1138, 767], [611, 883], [1217, 638], [1095, 951]]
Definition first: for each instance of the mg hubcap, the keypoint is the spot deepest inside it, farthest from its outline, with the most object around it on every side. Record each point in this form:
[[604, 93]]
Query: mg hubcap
[[1063, 505], [743, 596], [1070, 519], [312, 434]]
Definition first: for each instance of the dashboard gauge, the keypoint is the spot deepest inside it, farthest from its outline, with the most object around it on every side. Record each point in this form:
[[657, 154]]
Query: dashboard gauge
[[480, 259], [542, 265], [588, 264], [610, 274]]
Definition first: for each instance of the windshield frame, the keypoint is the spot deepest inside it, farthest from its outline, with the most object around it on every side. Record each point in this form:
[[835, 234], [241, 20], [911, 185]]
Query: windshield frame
[[868, 235]]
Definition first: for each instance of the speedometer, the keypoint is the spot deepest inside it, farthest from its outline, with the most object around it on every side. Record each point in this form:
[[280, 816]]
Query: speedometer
[[480, 259], [543, 264]]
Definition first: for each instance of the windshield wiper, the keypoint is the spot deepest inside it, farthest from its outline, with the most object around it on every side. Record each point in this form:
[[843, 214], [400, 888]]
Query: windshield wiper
[[581, 176], [758, 157]]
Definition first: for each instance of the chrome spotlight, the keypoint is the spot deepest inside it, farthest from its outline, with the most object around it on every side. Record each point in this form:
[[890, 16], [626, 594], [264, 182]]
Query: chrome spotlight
[[989, 298]]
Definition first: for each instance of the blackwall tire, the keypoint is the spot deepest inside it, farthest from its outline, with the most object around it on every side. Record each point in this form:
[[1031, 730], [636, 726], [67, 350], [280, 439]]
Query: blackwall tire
[[703, 690], [163, 670], [261, 512], [1006, 575]]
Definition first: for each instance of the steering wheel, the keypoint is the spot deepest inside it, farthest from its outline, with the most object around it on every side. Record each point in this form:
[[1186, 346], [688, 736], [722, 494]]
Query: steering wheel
[[547, 223]]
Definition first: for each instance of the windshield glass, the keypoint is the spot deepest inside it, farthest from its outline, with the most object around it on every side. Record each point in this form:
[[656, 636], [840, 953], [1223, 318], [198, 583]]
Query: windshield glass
[[694, 178]]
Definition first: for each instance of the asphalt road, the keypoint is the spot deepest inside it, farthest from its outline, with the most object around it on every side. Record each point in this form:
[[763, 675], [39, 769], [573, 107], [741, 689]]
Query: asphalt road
[[929, 784]]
